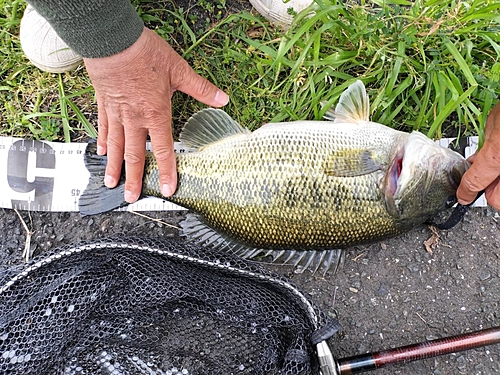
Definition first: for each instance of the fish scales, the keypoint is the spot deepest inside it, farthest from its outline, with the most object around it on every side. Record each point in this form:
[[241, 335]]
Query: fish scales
[[304, 185], [271, 189]]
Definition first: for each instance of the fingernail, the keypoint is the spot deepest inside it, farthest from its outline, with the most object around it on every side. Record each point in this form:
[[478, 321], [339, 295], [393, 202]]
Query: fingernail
[[130, 197], [167, 190], [100, 150], [109, 181], [221, 97]]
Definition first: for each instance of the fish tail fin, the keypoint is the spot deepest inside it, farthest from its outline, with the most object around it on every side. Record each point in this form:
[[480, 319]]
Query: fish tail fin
[[98, 198]]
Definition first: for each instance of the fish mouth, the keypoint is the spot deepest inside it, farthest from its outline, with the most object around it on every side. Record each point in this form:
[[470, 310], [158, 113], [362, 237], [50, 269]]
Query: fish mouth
[[420, 153], [457, 172], [391, 180], [419, 162], [395, 172], [455, 177]]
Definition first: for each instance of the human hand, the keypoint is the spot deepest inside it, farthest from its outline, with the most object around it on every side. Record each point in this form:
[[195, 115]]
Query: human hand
[[133, 91], [485, 170]]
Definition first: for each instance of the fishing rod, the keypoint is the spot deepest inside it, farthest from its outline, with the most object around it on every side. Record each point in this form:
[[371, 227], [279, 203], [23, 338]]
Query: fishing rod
[[375, 360]]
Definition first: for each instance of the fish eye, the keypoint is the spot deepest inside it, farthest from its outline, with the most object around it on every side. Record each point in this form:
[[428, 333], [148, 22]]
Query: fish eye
[[451, 201]]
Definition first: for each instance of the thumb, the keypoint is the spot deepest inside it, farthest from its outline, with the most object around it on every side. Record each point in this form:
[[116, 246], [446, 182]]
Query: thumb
[[194, 85], [470, 185]]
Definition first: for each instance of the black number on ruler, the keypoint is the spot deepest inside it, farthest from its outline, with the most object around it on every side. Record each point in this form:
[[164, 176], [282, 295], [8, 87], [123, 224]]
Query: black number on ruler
[[17, 173]]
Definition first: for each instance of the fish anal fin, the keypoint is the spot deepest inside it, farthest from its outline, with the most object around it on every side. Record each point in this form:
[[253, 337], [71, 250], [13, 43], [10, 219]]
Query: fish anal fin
[[351, 163], [208, 126], [317, 261], [196, 231]]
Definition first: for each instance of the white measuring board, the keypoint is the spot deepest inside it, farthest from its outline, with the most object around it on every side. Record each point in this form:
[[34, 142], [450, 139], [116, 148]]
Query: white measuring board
[[51, 176]]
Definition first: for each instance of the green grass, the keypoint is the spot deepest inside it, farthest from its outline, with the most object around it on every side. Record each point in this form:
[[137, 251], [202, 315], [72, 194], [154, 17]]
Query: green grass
[[432, 66], [36, 104]]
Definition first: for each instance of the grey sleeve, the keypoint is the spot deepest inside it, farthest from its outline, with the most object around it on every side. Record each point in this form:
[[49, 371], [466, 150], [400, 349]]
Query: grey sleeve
[[92, 28]]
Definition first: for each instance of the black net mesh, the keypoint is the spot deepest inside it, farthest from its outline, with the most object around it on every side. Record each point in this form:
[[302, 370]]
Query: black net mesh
[[137, 306]]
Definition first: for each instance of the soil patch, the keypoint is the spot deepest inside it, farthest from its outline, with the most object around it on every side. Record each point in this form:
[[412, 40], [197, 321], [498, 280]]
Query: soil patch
[[387, 294]]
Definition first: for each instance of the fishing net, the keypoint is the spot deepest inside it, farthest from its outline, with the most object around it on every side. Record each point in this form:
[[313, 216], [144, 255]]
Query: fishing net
[[140, 306]]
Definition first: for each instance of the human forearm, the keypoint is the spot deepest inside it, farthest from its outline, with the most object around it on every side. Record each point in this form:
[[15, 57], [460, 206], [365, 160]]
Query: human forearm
[[92, 28], [134, 73]]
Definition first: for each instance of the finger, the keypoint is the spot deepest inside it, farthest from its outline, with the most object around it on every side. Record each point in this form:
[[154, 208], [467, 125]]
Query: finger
[[163, 149], [102, 121], [194, 85], [492, 194], [479, 176], [470, 185], [465, 192], [115, 145], [135, 155], [472, 158]]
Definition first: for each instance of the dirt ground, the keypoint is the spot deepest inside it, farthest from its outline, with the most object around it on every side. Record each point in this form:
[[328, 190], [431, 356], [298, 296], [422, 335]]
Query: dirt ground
[[388, 294]]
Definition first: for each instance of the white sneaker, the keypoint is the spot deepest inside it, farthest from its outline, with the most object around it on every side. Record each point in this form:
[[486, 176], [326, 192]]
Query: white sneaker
[[276, 11], [43, 47]]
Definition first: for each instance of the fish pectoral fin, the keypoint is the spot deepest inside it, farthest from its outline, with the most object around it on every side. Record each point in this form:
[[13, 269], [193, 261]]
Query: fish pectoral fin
[[351, 163], [353, 105], [200, 233], [207, 126]]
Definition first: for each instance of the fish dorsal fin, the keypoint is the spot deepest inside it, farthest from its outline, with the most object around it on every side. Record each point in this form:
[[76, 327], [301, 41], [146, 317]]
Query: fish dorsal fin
[[207, 126], [353, 105], [317, 261], [351, 163]]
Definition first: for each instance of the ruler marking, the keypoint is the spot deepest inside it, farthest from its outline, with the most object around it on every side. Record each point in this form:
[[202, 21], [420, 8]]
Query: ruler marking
[[50, 176]]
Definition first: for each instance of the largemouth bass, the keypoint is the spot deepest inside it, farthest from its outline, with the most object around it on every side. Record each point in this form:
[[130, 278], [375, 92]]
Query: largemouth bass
[[303, 185]]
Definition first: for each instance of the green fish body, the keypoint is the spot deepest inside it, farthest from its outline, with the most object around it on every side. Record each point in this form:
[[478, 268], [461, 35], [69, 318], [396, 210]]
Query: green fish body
[[307, 185], [295, 185]]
